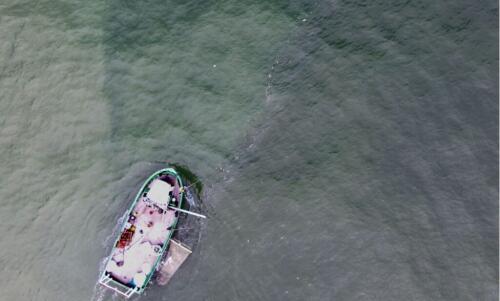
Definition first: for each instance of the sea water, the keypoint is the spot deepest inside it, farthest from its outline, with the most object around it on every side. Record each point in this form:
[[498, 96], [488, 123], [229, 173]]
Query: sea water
[[348, 149]]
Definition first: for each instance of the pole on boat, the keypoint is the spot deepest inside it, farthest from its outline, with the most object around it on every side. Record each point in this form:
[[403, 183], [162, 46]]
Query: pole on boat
[[188, 212], [178, 229]]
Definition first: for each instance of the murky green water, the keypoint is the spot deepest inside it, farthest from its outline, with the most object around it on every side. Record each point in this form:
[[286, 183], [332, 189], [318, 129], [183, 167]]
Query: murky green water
[[348, 150]]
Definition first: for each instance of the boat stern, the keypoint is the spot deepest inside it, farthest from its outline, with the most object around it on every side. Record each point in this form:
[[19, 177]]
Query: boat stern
[[118, 287]]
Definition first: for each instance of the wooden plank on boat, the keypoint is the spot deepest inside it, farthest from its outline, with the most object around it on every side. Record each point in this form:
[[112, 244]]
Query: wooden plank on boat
[[177, 254]]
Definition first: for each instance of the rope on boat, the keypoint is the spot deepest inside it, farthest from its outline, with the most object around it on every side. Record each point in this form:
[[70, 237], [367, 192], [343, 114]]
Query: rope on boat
[[189, 186]]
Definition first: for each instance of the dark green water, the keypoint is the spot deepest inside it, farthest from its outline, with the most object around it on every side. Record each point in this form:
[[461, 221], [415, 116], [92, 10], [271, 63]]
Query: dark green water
[[348, 149]]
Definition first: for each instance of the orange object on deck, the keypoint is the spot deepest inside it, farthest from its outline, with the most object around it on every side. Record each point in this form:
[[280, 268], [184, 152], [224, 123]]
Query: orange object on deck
[[126, 237]]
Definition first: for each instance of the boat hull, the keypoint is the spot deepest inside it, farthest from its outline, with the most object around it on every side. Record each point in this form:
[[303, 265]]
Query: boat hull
[[145, 234]]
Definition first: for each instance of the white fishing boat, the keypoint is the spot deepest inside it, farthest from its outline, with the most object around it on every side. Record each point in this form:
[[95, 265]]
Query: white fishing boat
[[145, 235]]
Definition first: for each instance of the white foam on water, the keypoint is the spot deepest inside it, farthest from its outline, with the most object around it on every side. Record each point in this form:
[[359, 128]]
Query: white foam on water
[[114, 233], [99, 291]]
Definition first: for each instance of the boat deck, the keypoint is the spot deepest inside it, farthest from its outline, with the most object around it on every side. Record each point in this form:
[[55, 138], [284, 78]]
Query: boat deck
[[141, 242]]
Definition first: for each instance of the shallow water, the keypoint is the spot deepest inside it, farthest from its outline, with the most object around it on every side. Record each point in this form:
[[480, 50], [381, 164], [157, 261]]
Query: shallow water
[[348, 150]]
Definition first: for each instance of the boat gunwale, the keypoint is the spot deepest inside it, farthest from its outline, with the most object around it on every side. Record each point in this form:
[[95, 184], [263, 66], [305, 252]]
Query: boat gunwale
[[172, 171]]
